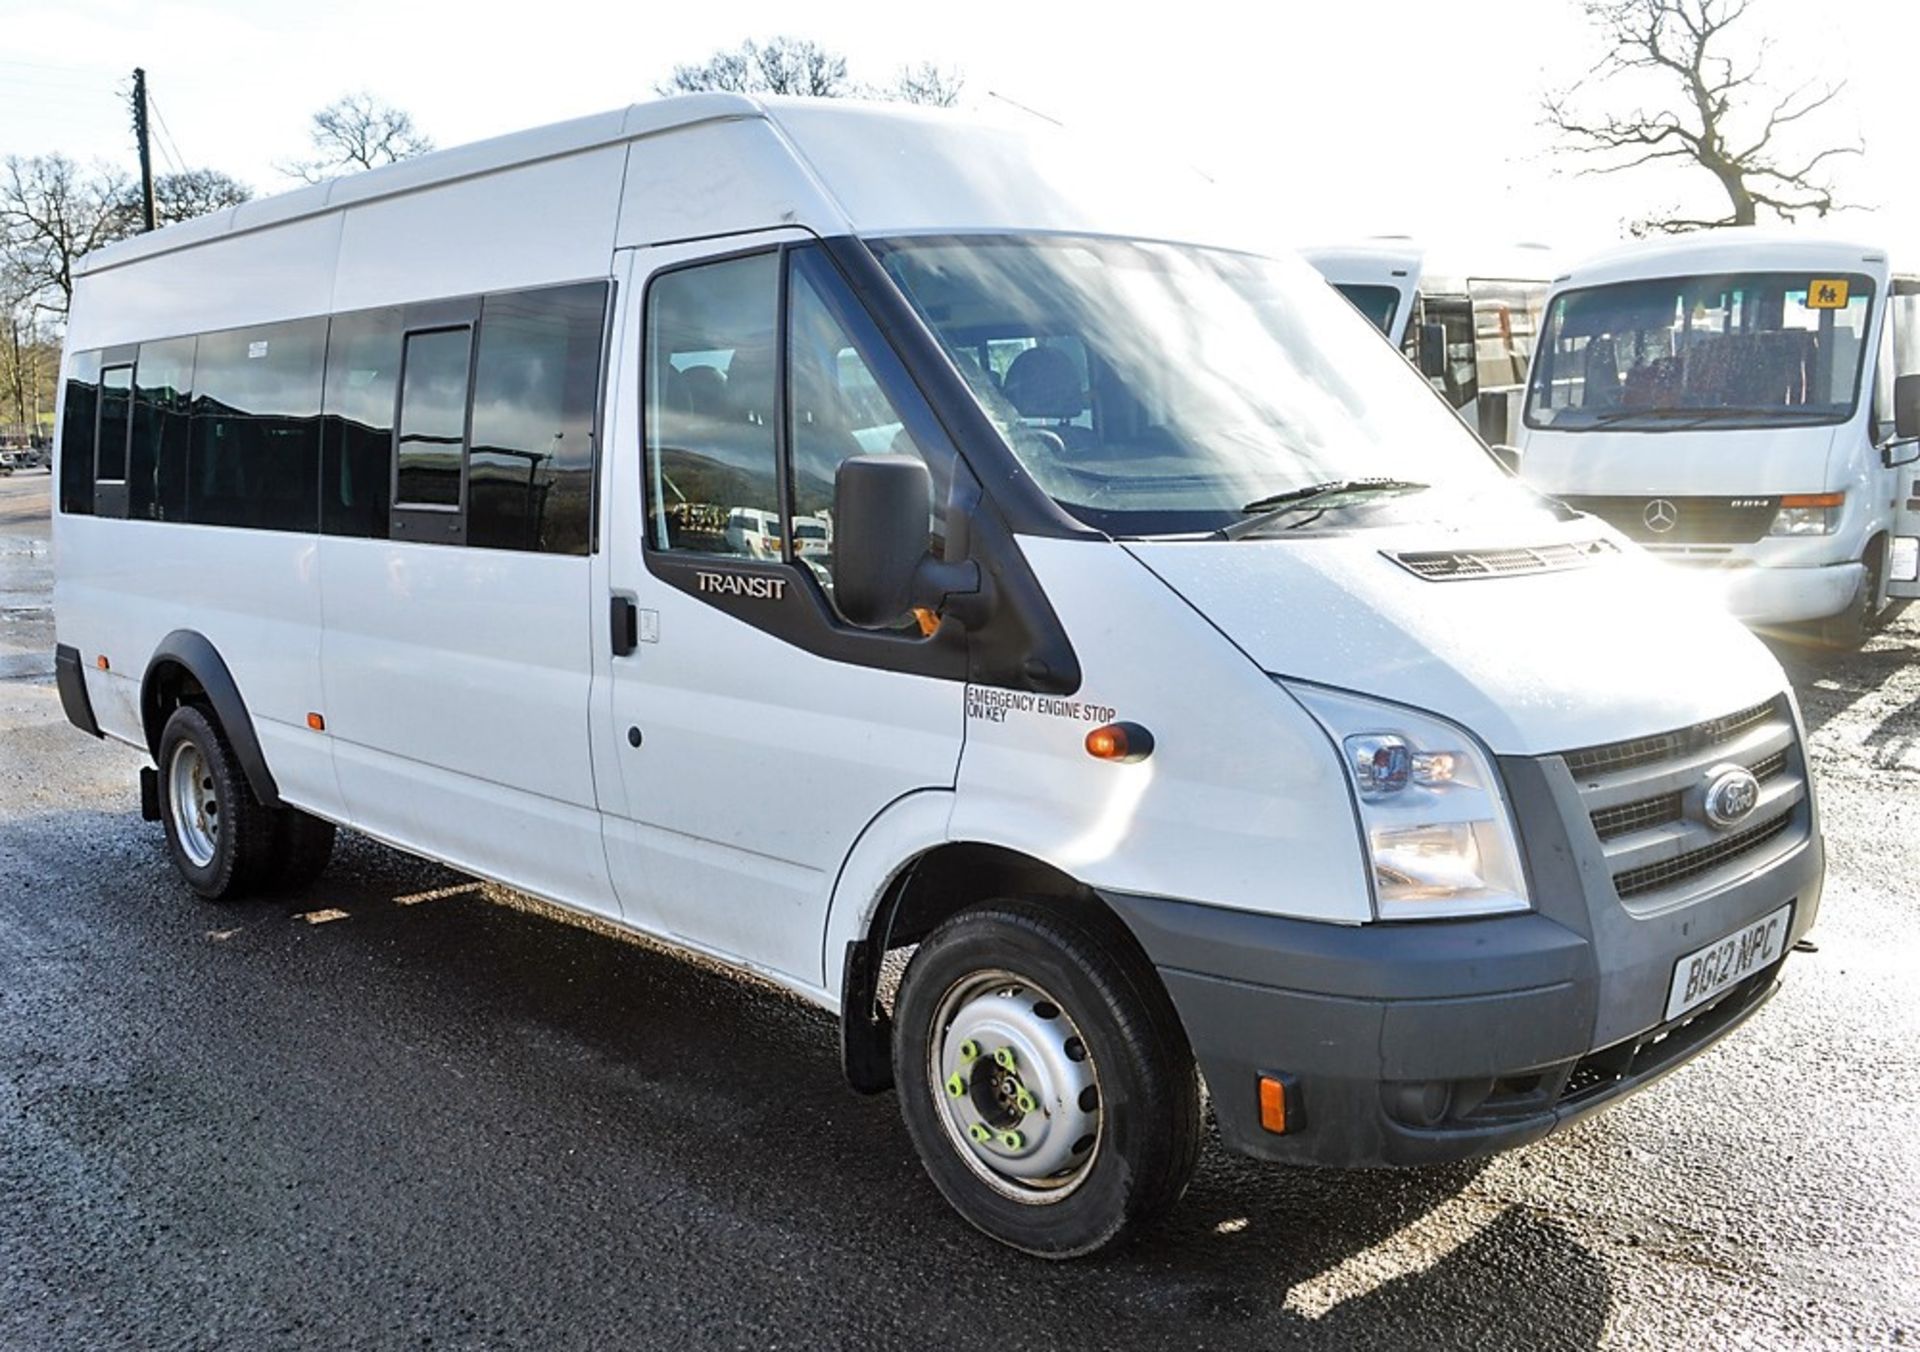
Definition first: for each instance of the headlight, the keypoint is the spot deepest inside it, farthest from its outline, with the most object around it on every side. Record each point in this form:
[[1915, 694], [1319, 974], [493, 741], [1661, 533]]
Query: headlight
[[1438, 832], [1808, 514]]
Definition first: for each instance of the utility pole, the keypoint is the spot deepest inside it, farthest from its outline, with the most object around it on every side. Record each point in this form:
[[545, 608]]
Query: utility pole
[[146, 154]]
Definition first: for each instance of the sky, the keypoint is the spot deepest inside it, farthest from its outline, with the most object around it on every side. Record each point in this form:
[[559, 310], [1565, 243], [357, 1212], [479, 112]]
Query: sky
[[1339, 120]]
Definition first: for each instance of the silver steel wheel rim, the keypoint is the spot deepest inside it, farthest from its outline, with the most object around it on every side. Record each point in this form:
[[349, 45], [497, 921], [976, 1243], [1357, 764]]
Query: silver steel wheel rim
[[196, 808], [1015, 1086]]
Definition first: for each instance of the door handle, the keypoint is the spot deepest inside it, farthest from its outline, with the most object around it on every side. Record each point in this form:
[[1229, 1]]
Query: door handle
[[624, 624]]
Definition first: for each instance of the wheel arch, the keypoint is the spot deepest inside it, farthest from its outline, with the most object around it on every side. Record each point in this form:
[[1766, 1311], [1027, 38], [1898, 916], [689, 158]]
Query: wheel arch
[[924, 887], [187, 668]]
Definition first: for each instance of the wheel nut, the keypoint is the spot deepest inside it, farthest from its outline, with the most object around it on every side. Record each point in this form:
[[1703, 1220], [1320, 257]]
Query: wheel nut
[[956, 1086], [1012, 1140], [978, 1131], [1004, 1058], [1024, 1101], [969, 1050]]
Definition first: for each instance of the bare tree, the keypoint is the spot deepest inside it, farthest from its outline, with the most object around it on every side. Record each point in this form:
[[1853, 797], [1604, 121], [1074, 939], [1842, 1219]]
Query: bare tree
[[194, 192], [1717, 114], [356, 132], [781, 65], [786, 65], [50, 215], [926, 83]]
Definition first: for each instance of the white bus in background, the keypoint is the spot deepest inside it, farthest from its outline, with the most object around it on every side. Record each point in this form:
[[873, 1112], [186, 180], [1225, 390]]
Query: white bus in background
[[1150, 653], [1467, 320], [1743, 404]]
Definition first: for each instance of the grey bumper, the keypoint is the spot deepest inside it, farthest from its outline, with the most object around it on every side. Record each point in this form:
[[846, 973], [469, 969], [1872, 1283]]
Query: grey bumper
[[1425, 1042]]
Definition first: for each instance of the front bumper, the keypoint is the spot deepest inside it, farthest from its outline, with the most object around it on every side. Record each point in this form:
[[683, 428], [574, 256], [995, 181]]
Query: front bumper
[[1755, 594], [1424, 1042]]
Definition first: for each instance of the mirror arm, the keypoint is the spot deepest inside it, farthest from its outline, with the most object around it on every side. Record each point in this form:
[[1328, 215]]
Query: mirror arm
[[953, 589]]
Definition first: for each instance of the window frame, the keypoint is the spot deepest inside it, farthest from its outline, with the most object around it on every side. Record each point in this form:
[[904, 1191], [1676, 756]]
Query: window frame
[[428, 522], [111, 496]]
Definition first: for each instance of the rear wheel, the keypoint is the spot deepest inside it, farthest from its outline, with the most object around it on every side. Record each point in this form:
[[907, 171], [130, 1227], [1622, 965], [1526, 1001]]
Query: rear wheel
[[219, 835], [1044, 1076]]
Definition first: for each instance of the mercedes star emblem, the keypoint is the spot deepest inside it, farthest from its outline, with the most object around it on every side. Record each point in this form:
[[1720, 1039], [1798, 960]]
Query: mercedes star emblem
[[1660, 516]]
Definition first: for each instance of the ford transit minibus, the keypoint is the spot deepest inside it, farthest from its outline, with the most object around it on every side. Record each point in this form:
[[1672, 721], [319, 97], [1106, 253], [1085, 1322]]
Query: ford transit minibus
[[1733, 401], [1155, 658]]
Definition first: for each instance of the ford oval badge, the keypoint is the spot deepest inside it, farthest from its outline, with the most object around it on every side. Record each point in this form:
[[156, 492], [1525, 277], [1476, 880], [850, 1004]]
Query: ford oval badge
[[1732, 794]]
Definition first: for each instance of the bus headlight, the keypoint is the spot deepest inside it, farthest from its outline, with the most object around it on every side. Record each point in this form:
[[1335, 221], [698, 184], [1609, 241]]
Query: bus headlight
[[1438, 833], [1808, 514]]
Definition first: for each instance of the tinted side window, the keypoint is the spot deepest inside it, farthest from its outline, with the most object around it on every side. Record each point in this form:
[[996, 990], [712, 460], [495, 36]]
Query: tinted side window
[[847, 396], [256, 427], [157, 459], [76, 434], [116, 411], [711, 378], [433, 419], [356, 456], [536, 377]]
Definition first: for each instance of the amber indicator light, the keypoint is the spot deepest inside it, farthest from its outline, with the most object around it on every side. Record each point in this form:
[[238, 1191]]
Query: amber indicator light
[[1278, 1109], [1813, 500], [1123, 742], [316, 722], [101, 662]]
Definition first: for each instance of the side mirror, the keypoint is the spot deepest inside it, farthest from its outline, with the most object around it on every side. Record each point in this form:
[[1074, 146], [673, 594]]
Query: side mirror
[[880, 507], [1508, 456], [882, 570], [1433, 350], [1898, 454], [1906, 407]]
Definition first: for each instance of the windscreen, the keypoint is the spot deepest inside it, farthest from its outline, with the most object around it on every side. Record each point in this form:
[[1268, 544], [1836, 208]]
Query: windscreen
[[1748, 349], [1155, 388]]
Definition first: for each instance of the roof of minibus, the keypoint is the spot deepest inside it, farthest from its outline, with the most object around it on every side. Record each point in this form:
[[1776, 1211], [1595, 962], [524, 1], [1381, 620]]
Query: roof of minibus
[[861, 167], [1387, 260], [1730, 249]]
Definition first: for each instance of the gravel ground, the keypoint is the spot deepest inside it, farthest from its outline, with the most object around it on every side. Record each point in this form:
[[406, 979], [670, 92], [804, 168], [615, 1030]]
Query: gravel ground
[[441, 1121]]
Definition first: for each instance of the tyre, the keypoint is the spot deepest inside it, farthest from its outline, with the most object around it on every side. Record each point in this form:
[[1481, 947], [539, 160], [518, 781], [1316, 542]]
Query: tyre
[[302, 844], [220, 836], [1044, 1076], [1853, 626]]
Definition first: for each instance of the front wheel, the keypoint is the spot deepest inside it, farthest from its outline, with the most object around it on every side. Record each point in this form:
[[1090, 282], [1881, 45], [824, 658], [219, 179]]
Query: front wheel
[[1044, 1076]]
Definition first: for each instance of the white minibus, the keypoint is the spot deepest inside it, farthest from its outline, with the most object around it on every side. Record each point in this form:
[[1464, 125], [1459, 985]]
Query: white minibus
[[1179, 680], [1467, 319], [1744, 403]]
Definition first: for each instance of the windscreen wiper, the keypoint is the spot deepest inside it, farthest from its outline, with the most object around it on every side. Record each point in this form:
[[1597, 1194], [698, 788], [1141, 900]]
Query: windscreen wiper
[[1708, 414], [1318, 497]]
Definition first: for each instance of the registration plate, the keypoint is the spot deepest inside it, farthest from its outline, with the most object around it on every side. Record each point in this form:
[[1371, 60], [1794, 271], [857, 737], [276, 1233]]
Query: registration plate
[[1699, 977]]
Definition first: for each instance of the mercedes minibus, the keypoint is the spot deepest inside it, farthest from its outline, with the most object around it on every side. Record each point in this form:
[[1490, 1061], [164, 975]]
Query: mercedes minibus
[[1467, 319], [1163, 666], [1743, 404]]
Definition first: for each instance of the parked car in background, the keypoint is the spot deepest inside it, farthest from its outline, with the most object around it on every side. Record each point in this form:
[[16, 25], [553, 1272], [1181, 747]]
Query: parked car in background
[[1466, 319], [1744, 404]]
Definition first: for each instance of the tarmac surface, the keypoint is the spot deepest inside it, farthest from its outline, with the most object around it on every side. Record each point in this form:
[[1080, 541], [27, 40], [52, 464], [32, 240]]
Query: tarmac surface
[[442, 1121]]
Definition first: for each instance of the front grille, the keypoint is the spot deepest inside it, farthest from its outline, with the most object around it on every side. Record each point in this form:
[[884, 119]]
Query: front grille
[[1454, 565], [1639, 881], [1664, 746], [1645, 798], [1699, 520], [1617, 821]]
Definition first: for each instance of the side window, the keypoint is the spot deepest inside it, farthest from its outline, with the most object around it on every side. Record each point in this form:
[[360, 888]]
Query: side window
[[430, 449], [110, 441], [536, 381], [842, 379], [356, 456], [162, 428], [76, 434], [711, 381], [256, 427]]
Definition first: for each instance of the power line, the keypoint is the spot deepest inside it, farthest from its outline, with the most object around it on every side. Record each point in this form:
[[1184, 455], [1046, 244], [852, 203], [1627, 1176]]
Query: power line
[[174, 158]]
